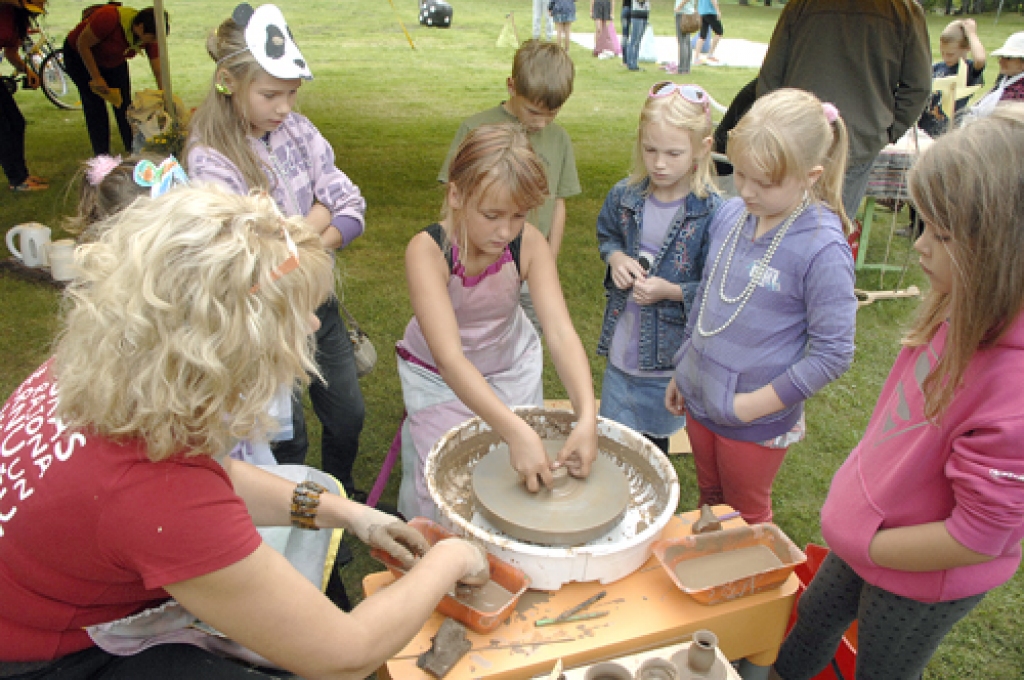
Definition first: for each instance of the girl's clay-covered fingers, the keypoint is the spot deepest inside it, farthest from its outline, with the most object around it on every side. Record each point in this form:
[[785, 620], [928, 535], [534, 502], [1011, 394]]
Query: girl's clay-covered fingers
[[579, 452], [535, 479]]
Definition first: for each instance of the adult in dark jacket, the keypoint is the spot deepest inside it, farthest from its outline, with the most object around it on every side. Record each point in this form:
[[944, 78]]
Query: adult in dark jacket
[[871, 58]]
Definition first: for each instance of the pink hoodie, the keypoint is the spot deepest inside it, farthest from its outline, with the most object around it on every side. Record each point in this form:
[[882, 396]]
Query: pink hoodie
[[968, 471]]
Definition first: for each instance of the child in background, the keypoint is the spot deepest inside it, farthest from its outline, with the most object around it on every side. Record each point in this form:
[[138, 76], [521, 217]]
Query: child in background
[[956, 42], [601, 13], [710, 21], [624, 13], [541, 82], [775, 310], [245, 137], [563, 13], [652, 233], [470, 349], [108, 187], [639, 14], [684, 7], [927, 513]]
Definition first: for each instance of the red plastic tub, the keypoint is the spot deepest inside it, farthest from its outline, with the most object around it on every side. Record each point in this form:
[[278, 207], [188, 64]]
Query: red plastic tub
[[505, 575]]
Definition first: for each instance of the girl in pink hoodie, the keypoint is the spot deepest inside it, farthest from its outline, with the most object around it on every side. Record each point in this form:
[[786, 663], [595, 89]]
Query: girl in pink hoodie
[[927, 513]]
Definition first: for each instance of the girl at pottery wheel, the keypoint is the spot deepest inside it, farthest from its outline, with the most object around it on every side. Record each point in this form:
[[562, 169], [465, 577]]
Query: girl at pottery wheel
[[190, 311], [470, 349], [927, 513]]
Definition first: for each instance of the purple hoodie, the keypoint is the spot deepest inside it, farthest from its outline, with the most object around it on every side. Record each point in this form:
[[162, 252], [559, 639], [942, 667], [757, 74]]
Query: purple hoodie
[[796, 332], [300, 165], [966, 471]]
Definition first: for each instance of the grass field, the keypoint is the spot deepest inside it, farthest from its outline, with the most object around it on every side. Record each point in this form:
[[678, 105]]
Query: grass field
[[390, 112]]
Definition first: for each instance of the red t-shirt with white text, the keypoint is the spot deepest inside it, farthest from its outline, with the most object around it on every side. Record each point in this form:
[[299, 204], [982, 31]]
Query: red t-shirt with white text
[[91, 530]]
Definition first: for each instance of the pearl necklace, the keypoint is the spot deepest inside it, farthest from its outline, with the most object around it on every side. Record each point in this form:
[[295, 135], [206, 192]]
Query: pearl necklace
[[755, 275]]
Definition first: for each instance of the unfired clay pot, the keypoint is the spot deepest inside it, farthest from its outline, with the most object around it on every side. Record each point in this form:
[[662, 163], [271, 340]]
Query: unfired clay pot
[[657, 669], [608, 671], [700, 661]]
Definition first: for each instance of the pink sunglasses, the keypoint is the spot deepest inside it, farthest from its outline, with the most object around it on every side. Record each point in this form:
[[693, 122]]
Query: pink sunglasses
[[694, 94]]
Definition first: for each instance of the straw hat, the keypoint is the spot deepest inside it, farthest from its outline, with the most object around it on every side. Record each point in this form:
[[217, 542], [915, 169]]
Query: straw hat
[[1012, 48]]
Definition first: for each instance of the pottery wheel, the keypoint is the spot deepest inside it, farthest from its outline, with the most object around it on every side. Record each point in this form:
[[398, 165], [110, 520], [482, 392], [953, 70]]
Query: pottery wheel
[[574, 512]]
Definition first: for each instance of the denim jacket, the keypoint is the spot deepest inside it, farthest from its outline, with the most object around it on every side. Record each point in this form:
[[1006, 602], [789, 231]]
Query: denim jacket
[[680, 260]]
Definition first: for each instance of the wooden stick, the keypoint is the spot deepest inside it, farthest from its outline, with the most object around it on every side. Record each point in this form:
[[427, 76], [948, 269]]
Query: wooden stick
[[580, 607], [866, 297]]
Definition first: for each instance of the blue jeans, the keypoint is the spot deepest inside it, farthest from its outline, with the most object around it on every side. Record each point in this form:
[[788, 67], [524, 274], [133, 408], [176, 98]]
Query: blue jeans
[[855, 185], [624, 22], [632, 51], [542, 20], [685, 49], [338, 403]]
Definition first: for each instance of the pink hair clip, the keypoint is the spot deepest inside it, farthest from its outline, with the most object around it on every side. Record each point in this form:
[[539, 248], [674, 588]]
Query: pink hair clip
[[830, 111], [97, 168]]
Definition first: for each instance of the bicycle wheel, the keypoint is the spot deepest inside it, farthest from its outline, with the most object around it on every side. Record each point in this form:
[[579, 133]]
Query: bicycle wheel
[[57, 85]]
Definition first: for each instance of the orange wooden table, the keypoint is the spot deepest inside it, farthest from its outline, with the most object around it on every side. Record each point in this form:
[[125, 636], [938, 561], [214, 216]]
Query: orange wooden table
[[646, 610]]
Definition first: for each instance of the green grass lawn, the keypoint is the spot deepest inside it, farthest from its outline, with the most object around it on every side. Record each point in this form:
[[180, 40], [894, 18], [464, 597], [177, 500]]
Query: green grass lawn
[[390, 112]]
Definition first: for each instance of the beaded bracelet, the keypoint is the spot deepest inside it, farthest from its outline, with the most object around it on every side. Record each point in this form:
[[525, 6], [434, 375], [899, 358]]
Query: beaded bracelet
[[305, 503]]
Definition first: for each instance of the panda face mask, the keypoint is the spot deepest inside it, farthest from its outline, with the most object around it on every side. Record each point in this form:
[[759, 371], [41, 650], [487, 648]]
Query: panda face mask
[[270, 41]]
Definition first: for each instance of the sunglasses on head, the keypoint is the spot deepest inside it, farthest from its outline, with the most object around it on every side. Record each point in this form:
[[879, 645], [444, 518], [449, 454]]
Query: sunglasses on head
[[694, 94]]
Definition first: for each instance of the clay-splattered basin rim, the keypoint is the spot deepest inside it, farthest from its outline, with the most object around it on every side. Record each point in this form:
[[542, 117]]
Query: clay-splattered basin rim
[[664, 501], [671, 551]]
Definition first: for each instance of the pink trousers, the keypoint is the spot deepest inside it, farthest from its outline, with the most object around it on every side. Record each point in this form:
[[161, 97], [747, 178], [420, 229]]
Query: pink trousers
[[736, 473]]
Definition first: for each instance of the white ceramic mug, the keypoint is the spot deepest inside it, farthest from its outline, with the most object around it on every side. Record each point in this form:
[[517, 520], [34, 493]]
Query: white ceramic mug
[[35, 238], [62, 260]]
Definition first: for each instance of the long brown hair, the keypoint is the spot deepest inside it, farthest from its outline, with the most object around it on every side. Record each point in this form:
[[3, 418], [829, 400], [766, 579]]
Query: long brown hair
[[222, 121], [494, 155], [968, 185]]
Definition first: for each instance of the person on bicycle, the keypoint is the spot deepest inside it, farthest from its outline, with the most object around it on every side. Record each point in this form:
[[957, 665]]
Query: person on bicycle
[[14, 21], [96, 55]]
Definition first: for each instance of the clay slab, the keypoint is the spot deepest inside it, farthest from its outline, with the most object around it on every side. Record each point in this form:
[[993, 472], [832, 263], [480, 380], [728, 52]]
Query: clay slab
[[573, 512]]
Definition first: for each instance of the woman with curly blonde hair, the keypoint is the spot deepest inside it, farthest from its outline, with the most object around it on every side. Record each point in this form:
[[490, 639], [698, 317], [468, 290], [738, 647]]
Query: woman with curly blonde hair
[[190, 312]]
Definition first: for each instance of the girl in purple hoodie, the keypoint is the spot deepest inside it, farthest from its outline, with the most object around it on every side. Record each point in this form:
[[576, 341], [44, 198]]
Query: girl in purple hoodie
[[246, 137], [927, 513]]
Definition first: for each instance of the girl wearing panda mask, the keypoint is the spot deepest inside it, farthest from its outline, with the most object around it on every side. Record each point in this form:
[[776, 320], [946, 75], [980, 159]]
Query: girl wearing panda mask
[[245, 136]]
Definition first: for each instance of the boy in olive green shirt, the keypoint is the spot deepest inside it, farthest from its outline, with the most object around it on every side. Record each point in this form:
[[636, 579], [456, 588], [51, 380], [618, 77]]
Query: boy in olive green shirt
[[541, 82]]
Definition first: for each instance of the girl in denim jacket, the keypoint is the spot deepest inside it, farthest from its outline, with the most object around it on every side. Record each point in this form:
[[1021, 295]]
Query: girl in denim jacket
[[652, 233]]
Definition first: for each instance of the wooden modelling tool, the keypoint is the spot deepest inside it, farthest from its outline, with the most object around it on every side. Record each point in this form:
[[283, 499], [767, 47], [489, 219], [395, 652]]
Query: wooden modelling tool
[[866, 297]]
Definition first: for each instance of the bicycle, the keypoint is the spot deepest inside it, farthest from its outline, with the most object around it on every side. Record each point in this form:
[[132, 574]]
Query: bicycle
[[47, 62]]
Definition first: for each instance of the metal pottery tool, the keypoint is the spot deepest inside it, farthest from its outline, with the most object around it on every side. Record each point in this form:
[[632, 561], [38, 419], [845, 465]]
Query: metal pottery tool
[[573, 613]]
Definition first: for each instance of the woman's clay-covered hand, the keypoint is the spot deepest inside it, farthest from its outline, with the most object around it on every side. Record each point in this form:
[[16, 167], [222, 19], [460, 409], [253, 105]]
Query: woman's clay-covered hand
[[580, 449], [674, 401], [380, 530], [478, 569], [625, 270]]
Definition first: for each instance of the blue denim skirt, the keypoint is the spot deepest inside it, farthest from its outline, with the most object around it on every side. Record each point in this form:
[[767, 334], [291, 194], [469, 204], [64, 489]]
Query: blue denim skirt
[[638, 403]]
